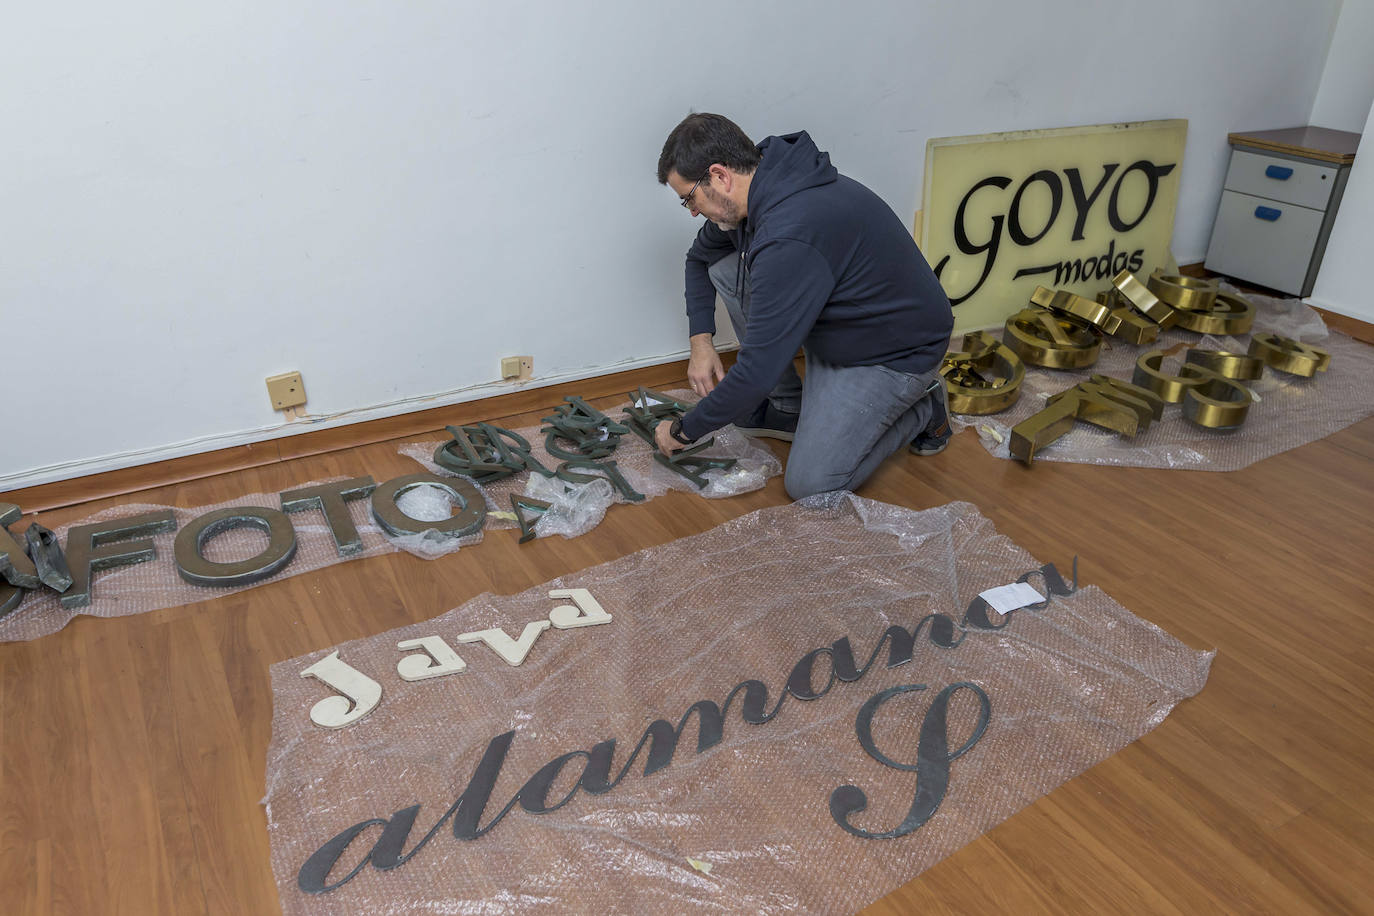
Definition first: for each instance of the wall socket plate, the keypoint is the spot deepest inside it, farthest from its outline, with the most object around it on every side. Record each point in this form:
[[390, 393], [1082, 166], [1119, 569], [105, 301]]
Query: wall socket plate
[[517, 367], [286, 390]]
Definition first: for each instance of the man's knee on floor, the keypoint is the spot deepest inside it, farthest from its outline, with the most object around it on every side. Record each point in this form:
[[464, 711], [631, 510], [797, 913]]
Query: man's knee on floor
[[801, 482]]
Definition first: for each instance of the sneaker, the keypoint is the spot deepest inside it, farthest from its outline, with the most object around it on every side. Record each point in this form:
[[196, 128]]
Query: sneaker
[[768, 422], [933, 439]]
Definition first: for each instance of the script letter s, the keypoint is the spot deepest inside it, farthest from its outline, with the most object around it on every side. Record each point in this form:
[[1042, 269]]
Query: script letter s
[[932, 759]]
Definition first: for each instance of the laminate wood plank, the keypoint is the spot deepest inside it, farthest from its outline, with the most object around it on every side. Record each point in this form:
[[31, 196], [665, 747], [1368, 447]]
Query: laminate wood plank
[[1013, 891], [125, 819], [152, 650], [223, 779], [1167, 830], [1339, 871], [1271, 795], [1241, 835], [1129, 890], [1047, 833], [1347, 821], [21, 821], [59, 725]]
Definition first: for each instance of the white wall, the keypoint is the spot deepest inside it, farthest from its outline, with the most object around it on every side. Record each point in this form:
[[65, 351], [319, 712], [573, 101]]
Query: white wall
[[391, 196], [1345, 101], [1343, 283], [1347, 87]]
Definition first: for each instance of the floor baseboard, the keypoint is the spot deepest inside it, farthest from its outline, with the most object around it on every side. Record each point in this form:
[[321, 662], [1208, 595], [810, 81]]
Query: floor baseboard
[[48, 496]]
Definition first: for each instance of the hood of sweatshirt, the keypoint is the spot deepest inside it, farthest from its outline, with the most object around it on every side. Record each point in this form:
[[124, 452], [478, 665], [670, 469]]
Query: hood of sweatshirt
[[791, 163]]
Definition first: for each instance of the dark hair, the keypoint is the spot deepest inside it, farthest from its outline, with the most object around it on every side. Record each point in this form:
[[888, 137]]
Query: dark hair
[[701, 141]]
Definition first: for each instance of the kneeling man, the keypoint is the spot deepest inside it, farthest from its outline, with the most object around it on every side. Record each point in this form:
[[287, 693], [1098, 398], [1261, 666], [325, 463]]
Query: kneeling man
[[804, 257]]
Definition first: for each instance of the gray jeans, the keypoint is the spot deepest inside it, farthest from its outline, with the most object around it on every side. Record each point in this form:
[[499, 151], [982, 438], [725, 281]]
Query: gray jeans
[[852, 417]]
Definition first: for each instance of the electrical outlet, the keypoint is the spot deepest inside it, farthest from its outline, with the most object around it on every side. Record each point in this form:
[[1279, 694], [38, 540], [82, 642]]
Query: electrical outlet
[[286, 390], [517, 367]]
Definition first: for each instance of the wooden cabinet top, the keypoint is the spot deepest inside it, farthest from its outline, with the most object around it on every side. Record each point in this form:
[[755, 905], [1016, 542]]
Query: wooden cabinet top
[[1322, 143]]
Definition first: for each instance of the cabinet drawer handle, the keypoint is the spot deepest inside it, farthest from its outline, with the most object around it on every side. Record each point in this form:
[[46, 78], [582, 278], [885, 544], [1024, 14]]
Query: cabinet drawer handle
[[1280, 172], [1268, 213]]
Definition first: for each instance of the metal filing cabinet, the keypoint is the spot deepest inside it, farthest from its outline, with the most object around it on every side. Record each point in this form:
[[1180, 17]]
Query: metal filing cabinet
[[1279, 203]]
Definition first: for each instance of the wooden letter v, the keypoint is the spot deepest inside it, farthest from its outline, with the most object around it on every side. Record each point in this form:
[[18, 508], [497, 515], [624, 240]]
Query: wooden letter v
[[513, 651]]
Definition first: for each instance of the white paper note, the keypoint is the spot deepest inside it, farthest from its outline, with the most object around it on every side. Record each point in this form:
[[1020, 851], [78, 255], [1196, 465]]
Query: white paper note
[[1007, 598]]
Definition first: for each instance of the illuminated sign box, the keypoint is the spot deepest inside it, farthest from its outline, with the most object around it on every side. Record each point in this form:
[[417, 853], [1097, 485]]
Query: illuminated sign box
[[1066, 208]]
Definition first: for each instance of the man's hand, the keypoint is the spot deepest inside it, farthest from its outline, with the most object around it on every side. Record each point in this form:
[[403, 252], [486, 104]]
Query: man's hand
[[665, 442], [703, 368]]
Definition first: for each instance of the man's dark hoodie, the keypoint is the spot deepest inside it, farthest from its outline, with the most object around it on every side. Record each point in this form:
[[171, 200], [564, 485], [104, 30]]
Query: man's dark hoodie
[[829, 267]]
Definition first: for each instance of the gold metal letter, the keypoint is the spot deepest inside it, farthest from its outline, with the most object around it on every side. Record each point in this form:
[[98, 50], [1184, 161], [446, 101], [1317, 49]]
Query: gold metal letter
[[984, 377], [1055, 342], [1288, 355]]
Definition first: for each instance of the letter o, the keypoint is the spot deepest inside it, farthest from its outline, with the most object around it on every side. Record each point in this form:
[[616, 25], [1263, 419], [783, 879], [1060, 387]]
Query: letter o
[[191, 540], [468, 520], [1152, 174], [1051, 181]]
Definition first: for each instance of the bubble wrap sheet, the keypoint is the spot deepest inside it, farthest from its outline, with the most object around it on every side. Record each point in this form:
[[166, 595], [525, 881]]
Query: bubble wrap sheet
[[155, 584], [1290, 412], [1068, 686], [575, 513]]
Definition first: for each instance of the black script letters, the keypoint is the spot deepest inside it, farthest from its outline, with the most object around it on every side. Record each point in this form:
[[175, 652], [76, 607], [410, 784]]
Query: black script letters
[[1100, 267], [534, 795], [901, 644], [1083, 201], [1152, 175], [961, 238], [1054, 582], [1051, 181], [386, 852], [977, 613], [932, 759], [662, 739], [315, 872]]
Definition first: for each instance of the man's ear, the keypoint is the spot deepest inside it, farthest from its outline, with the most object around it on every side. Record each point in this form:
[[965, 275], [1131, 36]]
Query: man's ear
[[725, 175]]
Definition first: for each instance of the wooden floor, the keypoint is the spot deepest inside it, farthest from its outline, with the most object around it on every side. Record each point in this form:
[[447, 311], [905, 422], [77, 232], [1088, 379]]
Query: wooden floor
[[132, 751]]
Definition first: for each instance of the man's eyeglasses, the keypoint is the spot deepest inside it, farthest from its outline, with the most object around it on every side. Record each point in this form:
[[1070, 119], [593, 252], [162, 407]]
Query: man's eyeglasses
[[687, 201]]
